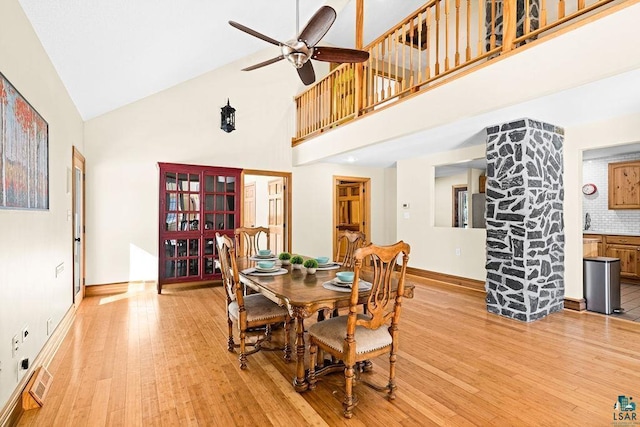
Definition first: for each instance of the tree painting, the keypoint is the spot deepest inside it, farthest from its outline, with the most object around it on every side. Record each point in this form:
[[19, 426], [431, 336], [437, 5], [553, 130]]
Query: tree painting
[[24, 156]]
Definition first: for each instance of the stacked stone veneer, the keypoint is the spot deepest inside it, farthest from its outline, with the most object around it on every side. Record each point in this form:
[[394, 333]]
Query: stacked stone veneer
[[525, 229]]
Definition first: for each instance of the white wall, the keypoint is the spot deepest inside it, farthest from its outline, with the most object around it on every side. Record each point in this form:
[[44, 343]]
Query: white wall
[[178, 125], [434, 248], [34, 242], [313, 206]]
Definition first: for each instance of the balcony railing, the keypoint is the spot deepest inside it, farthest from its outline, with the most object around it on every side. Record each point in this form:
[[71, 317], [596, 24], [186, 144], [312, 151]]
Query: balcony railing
[[440, 39]]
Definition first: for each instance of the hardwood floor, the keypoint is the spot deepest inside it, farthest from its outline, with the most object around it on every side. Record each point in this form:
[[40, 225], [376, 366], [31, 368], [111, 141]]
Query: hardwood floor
[[146, 359]]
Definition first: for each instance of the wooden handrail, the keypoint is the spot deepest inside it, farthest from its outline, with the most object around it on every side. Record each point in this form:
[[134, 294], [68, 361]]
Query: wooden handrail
[[439, 39]]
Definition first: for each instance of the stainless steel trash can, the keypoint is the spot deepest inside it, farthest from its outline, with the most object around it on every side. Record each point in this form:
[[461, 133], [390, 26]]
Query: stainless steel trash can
[[602, 284]]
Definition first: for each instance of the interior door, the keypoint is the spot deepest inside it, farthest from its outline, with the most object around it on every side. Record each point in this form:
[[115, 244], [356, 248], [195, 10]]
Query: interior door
[[78, 194], [351, 207], [249, 214], [276, 214]]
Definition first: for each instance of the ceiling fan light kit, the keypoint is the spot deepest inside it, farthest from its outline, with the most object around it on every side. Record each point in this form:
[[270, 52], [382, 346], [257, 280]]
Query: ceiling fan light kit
[[299, 51]]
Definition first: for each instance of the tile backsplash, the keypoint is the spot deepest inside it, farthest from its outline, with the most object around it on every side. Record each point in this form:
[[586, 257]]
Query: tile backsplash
[[596, 205]]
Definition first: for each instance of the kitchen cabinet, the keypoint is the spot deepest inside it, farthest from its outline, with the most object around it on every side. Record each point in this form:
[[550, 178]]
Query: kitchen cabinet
[[627, 248], [624, 185], [599, 238]]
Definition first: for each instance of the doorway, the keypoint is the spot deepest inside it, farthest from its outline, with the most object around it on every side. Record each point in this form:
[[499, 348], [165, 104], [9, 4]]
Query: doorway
[[267, 203], [78, 215], [351, 207]]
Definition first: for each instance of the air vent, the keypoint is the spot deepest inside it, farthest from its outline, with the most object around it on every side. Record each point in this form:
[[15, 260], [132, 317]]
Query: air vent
[[37, 389]]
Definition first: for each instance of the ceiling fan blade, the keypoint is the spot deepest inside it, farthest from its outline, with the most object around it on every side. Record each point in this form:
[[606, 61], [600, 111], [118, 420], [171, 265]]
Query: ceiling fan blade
[[306, 73], [339, 54], [318, 26], [254, 33], [262, 64]]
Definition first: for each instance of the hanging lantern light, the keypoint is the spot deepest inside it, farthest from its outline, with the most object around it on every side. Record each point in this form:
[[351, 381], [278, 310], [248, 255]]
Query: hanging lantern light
[[228, 118]]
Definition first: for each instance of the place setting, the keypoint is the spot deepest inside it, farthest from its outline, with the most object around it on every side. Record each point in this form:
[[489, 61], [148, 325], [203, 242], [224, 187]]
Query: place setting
[[265, 268], [325, 264], [343, 282], [264, 255]]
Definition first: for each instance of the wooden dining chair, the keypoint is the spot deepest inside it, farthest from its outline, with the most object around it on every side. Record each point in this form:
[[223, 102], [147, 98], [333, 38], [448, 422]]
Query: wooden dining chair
[[356, 337], [248, 311], [247, 240], [347, 242]]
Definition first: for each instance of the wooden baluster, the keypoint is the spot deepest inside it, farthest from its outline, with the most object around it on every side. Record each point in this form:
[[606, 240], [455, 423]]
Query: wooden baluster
[[404, 54], [457, 57], [492, 39], [427, 50], [370, 78], [580, 4], [561, 9], [543, 14], [358, 81], [481, 27], [419, 50], [468, 33], [446, 35], [411, 42], [527, 18], [389, 57], [396, 46], [437, 38], [509, 17]]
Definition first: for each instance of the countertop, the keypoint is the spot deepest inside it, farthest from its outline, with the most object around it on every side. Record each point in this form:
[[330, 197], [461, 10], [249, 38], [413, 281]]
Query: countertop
[[611, 233]]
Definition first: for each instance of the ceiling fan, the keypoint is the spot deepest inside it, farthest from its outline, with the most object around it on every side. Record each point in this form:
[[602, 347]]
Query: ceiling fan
[[300, 50]]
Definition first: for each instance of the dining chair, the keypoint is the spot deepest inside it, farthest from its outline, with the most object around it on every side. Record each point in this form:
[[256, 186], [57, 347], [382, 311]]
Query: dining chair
[[356, 337], [247, 240], [348, 241], [248, 311]]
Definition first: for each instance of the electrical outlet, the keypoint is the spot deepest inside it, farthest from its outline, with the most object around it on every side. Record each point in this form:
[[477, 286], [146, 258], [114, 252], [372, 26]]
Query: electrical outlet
[[49, 326], [25, 333], [15, 345]]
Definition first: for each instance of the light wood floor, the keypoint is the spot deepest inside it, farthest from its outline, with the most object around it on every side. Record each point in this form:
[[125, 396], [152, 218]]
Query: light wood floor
[[143, 359]]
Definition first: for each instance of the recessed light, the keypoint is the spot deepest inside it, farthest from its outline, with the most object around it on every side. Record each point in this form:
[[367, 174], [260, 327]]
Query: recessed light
[[351, 159]]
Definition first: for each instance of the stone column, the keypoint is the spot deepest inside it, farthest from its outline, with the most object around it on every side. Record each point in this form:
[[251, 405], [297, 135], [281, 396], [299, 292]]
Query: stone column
[[525, 226]]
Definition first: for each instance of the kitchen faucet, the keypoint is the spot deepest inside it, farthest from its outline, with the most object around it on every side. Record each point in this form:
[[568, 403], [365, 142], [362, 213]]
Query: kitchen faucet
[[587, 221]]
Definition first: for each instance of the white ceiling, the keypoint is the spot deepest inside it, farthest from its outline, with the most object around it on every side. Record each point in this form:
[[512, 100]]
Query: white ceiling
[[114, 52]]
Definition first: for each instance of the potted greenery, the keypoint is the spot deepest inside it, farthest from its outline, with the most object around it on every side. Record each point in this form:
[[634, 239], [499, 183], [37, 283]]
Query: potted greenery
[[311, 265], [296, 261], [284, 257]]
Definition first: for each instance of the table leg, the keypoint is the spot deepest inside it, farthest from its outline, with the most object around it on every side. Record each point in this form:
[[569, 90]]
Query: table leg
[[300, 381]]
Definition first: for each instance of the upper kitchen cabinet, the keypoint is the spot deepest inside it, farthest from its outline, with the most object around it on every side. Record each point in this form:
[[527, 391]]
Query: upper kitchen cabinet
[[624, 185]]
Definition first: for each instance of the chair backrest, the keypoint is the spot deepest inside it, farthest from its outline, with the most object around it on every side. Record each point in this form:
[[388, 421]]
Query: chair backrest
[[381, 305], [348, 242], [229, 268], [247, 240]]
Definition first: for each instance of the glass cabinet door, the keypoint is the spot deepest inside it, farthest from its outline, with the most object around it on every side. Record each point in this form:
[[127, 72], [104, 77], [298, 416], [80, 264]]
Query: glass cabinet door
[[195, 203]]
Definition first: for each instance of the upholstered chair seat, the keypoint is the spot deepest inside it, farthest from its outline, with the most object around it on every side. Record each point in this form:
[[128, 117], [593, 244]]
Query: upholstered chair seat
[[331, 332], [258, 308]]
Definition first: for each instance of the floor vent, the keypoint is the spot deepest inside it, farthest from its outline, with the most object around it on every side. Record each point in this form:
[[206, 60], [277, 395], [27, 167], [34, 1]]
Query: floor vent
[[37, 389]]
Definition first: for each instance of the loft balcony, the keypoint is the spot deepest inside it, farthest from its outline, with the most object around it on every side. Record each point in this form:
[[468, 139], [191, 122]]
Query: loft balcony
[[441, 42]]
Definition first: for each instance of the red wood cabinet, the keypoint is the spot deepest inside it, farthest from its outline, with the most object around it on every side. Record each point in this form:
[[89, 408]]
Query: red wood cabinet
[[195, 203]]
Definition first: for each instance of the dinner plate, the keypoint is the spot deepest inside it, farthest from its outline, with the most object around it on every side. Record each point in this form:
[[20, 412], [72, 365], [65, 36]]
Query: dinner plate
[[264, 256], [267, 270], [329, 264], [341, 283]]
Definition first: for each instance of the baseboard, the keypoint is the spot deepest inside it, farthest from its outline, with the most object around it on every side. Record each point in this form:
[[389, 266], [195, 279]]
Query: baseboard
[[449, 279], [577, 304], [12, 410], [124, 287]]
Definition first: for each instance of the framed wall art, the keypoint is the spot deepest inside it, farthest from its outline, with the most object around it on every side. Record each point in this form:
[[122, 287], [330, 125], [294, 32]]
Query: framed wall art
[[24, 152]]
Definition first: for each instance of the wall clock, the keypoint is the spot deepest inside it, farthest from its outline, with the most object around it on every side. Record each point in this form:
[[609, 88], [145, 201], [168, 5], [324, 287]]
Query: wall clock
[[589, 189]]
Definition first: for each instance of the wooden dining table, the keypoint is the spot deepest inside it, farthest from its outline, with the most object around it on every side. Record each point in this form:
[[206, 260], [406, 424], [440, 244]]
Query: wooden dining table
[[303, 295]]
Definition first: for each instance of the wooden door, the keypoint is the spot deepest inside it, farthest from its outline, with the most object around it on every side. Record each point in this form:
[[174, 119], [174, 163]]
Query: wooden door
[[276, 214], [78, 214], [351, 207], [249, 213]]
